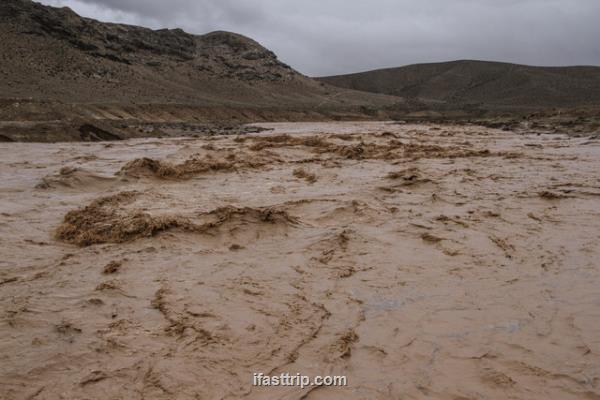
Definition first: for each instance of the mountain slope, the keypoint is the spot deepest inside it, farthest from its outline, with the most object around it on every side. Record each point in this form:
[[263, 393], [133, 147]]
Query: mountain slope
[[53, 54], [491, 84]]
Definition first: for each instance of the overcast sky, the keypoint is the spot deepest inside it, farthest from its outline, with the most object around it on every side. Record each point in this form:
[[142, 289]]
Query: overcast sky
[[326, 37]]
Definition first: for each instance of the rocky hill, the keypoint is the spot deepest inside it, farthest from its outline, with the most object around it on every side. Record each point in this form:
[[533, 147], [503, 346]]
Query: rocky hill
[[491, 85], [53, 54]]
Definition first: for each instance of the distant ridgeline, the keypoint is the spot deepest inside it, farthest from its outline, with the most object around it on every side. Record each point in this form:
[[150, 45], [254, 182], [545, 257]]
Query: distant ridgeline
[[489, 84]]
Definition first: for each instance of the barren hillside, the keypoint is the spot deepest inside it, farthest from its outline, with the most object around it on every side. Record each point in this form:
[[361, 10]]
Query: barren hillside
[[488, 84], [53, 54]]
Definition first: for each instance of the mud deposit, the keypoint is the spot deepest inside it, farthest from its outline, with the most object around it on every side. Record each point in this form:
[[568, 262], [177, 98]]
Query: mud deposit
[[421, 261]]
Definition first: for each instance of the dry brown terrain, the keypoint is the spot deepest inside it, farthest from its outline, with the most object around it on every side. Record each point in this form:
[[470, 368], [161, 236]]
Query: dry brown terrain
[[422, 261], [53, 55], [61, 73], [483, 85]]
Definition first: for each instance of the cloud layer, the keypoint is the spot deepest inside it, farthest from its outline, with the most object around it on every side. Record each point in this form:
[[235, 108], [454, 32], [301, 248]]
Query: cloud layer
[[328, 37]]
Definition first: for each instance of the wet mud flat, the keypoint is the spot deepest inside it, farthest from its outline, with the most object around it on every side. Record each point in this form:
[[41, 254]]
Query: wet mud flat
[[421, 261]]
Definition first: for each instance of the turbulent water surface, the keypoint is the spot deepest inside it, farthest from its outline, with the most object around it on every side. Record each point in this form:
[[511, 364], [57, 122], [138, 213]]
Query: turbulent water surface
[[420, 261]]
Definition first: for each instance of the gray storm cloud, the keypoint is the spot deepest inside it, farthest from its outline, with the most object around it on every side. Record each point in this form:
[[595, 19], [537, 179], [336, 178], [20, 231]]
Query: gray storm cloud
[[328, 37]]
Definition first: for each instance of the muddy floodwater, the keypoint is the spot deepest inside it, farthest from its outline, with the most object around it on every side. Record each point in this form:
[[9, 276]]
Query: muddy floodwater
[[419, 261]]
